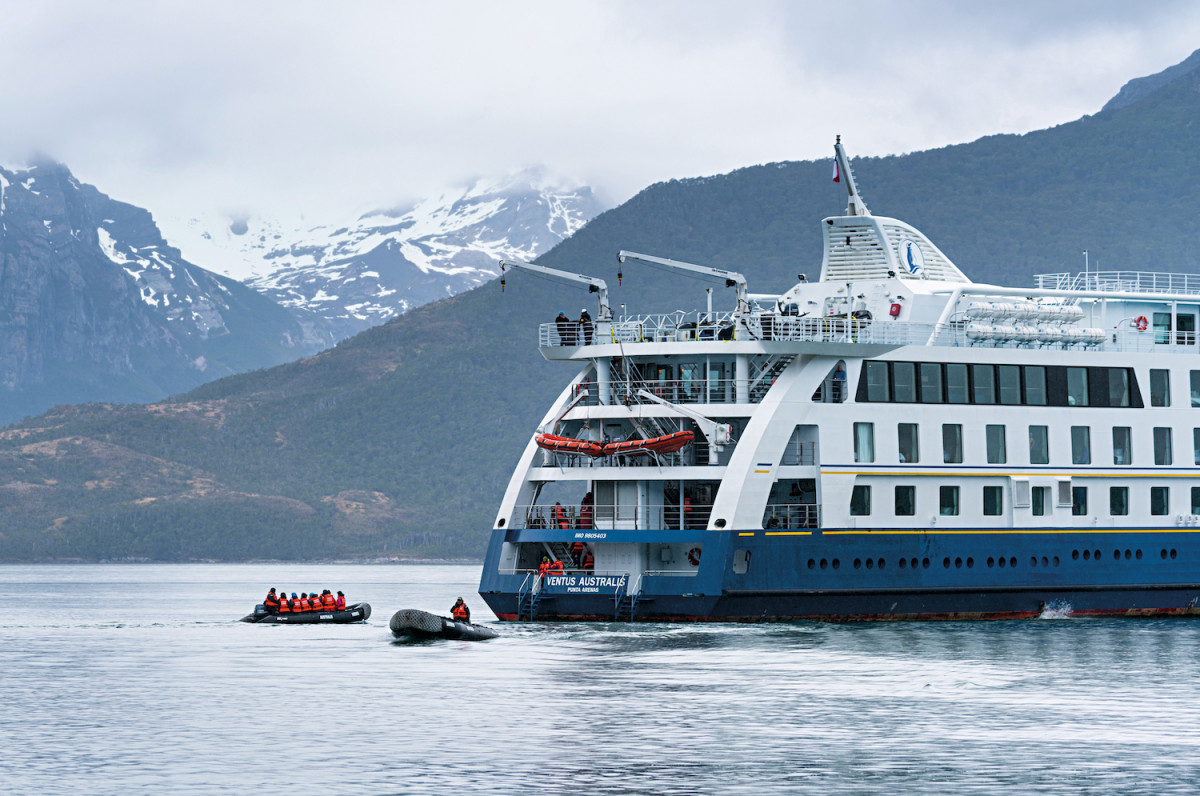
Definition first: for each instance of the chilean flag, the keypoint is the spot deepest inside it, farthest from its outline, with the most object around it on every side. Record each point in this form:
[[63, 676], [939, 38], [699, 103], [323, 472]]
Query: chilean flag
[[837, 174]]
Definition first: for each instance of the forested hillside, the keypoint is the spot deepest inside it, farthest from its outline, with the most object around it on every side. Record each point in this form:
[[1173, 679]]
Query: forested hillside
[[401, 440]]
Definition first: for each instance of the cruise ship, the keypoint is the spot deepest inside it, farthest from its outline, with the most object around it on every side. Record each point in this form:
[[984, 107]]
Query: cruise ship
[[891, 442]]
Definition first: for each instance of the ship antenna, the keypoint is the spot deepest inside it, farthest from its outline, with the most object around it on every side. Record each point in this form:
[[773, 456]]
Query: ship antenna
[[856, 205]]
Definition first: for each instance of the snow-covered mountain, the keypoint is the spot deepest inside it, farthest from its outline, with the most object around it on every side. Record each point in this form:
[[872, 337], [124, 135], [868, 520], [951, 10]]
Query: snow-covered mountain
[[360, 273]]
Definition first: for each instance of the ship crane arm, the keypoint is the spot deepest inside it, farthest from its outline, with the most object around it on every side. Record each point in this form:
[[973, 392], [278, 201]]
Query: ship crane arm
[[594, 284], [856, 206], [718, 434], [732, 278]]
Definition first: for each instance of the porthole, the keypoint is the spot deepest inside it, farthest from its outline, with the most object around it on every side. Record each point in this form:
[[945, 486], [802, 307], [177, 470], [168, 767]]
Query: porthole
[[857, 563], [1128, 554], [836, 563], [812, 563], [903, 563], [881, 563], [1138, 555], [720, 523], [1046, 561], [1033, 561], [970, 563], [1087, 555], [499, 524], [1172, 553], [946, 562], [914, 563], [1163, 555], [1056, 561], [1012, 562], [1074, 555], [824, 564], [958, 563], [1001, 562], [1096, 555], [870, 564], [991, 562], [924, 562]]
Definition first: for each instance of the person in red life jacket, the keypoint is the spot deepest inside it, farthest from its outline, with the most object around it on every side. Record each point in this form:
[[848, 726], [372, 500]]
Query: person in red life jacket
[[328, 601], [585, 511], [285, 605], [305, 605], [577, 549], [556, 568], [544, 567], [589, 562], [271, 602], [340, 603], [296, 607], [460, 611], [559, 515]]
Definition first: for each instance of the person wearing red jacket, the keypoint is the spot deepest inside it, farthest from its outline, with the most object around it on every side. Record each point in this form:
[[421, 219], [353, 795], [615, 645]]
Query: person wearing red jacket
[[340, 604], [460, 611]]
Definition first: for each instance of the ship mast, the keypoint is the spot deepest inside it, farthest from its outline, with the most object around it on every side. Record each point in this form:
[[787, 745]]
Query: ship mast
[[856, 205]]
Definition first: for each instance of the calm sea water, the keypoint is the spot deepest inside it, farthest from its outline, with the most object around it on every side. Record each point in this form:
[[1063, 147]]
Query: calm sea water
[[135, 678]]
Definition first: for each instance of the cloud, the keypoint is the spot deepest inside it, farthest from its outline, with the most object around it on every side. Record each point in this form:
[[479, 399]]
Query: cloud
[[318, 108]]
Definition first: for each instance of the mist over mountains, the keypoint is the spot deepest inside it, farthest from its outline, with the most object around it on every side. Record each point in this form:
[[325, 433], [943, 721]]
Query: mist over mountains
[[400, 440]]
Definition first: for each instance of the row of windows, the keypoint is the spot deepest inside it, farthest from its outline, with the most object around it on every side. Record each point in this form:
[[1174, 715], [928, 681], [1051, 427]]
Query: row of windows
[[992, 561], [996, 443], [1013, 385], [905, 500]]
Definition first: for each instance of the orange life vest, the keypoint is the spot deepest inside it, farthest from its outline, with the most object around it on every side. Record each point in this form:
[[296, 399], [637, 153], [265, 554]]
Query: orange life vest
[[557, 566], [588, 561], [340, 604], [271, 601], [304, 604], [285, 606], [577, 548], [459, 611], [296, 607], [330, 602]]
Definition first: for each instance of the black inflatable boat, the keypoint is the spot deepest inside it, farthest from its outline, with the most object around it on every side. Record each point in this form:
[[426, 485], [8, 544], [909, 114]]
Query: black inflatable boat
[[414, 624], [359, 612]]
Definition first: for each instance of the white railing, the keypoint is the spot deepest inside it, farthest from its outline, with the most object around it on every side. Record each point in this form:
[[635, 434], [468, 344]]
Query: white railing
[[671, 516], [1122, 282], [791, 515]]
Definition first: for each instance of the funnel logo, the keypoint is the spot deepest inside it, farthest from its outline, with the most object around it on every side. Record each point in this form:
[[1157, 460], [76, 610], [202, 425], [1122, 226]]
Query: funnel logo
[[911, 257]]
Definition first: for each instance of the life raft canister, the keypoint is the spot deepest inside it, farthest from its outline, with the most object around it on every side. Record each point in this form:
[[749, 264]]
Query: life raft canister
[[1141, 323], [693, 556]]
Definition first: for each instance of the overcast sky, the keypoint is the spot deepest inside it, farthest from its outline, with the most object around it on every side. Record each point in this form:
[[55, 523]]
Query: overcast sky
[[324, 108]]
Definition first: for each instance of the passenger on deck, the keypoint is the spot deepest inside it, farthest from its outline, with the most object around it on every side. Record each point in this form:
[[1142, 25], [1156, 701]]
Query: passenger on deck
[[589, 562], [296, 606], [340, 603], [271, 602], [328, 601], [556, 568], [566, 334], [559, 514], [460, 611], [577, 552], [586, 327], [586, 511], [305, 605], [285, 605], [544, 567]]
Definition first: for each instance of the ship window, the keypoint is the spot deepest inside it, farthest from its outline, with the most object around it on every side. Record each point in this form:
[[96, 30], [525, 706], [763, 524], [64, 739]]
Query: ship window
[[1035, 385], [1064, 493], [1122, 445], [1077, 387], [948, 499], [1118, 501], [1196, 500], [983, 381], [956, 384], [864, 442], [1159, 500], [931, 383], [1195, 387], [906, 501], [1009, 379], [1079, 500], [952, 447], [1081, 445], [993, 501], [1038, 500], [1039, 445], [1020, 496], [996, 453], [1118, 387], [741, 561], [877, 381], [1160, 388], [904, 382], [1162, 445], [906, 435], [1196, 445], [691, 382], [860, 501], [1185, 329]]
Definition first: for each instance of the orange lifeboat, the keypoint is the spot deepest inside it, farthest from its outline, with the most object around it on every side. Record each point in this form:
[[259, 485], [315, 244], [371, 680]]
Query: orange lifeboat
[[553, 442], [668, 443]]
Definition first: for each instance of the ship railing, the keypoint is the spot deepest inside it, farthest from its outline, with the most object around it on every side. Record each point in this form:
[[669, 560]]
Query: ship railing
[[798, 453], [677, 391], [791, 516], [607, 517], [681, 458], [1121, 282]]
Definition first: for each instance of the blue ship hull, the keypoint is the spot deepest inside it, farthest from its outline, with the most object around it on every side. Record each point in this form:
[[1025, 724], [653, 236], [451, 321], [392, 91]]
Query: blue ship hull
[[870, 574]]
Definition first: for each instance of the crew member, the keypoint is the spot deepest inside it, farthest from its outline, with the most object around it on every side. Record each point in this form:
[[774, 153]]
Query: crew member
[[577, 552], [460, 611], [340, 604], [585, 511], [556, 568], [285, 605], [566, 335], [586, 327], [589, 561], [271, 602], [558, 513], [544, 567]]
